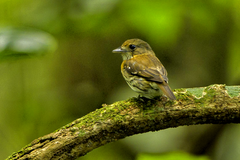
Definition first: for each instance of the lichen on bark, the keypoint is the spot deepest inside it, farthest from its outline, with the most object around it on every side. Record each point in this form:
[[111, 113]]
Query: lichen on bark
[[215, 104]]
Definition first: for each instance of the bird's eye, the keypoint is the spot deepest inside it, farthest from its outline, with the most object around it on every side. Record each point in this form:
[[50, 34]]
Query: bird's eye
[[131, 46]]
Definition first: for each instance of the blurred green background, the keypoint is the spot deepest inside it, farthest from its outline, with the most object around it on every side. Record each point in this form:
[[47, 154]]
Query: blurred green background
[[56, 65]]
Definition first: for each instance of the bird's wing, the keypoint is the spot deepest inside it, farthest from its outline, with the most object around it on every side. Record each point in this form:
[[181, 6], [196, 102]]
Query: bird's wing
[[147, 66]]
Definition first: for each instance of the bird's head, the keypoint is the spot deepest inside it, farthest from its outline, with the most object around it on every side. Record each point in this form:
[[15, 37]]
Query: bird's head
[[133, 47]]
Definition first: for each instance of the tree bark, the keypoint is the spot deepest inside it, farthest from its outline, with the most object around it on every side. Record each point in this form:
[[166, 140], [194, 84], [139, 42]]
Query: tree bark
[[215, 104]]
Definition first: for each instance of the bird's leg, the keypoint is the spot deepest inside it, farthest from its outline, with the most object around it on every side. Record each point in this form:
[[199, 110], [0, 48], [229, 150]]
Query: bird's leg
[[142, 99]]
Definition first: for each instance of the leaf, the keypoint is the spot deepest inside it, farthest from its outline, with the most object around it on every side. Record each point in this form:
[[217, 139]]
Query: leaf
[[25, 42]]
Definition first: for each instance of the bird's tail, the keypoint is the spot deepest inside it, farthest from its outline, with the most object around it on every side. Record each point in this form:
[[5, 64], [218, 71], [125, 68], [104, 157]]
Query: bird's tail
[[167, 91]]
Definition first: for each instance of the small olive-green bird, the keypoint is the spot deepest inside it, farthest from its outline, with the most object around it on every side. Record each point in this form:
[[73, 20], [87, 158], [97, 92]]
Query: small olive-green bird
[[142, 70]]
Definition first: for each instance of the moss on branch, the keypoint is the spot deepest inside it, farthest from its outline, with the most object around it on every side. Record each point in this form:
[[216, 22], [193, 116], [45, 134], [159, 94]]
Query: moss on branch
[[215, 104]]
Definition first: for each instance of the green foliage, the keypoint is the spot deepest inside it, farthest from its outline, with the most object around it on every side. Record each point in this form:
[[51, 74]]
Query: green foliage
[[24, 42], [158, 22], [171, 156]]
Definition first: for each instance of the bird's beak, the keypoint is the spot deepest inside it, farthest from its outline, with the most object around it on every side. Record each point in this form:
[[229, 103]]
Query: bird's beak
[[119, 50]]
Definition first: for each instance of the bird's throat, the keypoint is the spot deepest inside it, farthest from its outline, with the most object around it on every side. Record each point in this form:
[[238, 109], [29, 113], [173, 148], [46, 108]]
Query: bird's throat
[[126, 56]]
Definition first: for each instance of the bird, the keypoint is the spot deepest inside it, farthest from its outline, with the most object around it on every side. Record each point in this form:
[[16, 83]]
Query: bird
[[142, 70]]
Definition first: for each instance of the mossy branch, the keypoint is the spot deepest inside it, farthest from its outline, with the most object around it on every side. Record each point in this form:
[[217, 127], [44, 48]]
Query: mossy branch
[[215, 104]]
